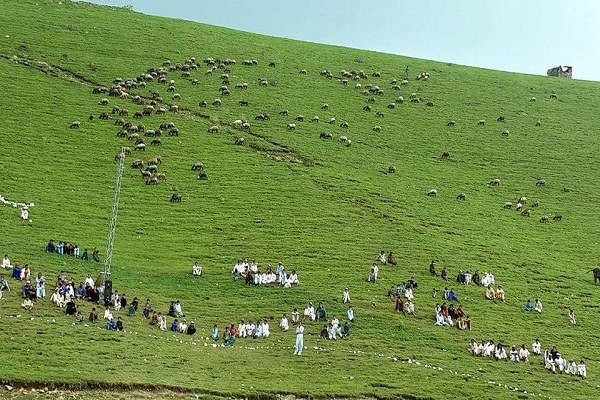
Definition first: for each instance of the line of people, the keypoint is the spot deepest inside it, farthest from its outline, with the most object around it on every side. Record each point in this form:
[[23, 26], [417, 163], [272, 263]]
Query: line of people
[[251, 274]]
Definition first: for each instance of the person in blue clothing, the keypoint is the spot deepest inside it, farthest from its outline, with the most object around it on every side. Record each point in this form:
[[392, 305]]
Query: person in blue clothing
[[452, 295], [174, 325], [215, 333], [111, 325], [528, 306]]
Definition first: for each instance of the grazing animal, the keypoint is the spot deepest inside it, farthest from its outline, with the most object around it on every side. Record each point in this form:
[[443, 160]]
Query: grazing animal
[[140, 147], [519, 206], [240, 141], [445, 155], [161, 177], [522, 199], [553, 96], [152, 181], [119, 156], [526, 212], [324, 106], [544, 218], [156, 142], [175, 198], [291, 126], [596, 272], [146, 174], [103, 102], [461, 196], [495, 182], [326, 135], [300, 118], [450, 123], [214, 129], [377, 128], [400, 99], [243, 102], [500, 119], [379, 114], [137, 164], [246, 126], [216, 102], [102, 116], [174, 108], [538, 123], [198, 166], [367, 108], [203, 103], [120, 122], [332, 120], [344, 125], [557, 217], [432, 193], [481, 122], [283, 112], [202, 176], [391, 169], [535, 203], [391, 105], [272, 64], [303, 71], [174, 132], [126, 150], [75, 125], [315, 119], [429, 104], [533, 99], [508, 205], [540, 182], [505, 132], [152, 168]]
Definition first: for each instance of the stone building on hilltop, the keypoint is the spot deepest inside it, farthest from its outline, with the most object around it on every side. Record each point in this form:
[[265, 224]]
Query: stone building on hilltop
[[561, 72]]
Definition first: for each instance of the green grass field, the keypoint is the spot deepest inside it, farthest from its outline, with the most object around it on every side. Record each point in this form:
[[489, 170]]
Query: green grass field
[[318, 206]]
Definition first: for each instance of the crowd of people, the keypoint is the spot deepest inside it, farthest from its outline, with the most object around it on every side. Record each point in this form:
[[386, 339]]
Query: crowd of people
[[71, 249], [251, 274]]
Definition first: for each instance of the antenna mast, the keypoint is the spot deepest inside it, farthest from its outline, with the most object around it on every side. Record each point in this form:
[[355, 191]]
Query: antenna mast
[[113, 218]]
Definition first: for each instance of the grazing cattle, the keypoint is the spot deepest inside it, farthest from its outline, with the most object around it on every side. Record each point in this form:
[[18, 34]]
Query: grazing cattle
[[432, 193], [198, 166], [481, 122], [156, 142], [291, 126], [544, 218], [495, 182], [445, 155], [540, 182], [175, 198], [596, 272], [450, 123], [75, 125], [461, 196], [140, 147], [326, 135], [557, 217]]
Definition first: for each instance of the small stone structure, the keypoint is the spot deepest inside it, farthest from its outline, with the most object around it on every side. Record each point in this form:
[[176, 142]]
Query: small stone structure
[[561, 72]]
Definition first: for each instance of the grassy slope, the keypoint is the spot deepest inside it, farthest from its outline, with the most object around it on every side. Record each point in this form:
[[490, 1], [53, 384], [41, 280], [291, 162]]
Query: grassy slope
[[328, 221]]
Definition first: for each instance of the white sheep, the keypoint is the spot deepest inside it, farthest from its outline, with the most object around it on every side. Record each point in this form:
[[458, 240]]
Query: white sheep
[[291, 126], [238, 123], [432, 193], [377, 128], [495, 182]]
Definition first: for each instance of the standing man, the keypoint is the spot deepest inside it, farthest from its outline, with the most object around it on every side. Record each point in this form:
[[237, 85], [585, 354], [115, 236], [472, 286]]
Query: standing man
[[299, 339]]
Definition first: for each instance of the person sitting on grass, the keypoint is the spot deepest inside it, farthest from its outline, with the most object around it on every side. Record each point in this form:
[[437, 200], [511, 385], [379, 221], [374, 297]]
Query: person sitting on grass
[[27, 304], [514, 354], [581, 369], [196, 269], [78, 318], [500, 353], [536, 347], [408, 293], [154, 319], [381, 258], [148, 309], [391, 260], [93, 316], [111, 325], [174, 325], [410, 307], [214, 335], [432, 270], [96, 257], [71, 308], [528, 306], [178, 311], [444, 274], [523, 353], [310, 312], [191, 329], [131, 310], [346, 330], [162, 322], [284, 324], [399, 304], [119, 326], [321, 312], [489, 293], [182, 327], [227, 338], [500, 293], [324, 332], [538, 306], [84, 256], [392, 293], [4, 283]]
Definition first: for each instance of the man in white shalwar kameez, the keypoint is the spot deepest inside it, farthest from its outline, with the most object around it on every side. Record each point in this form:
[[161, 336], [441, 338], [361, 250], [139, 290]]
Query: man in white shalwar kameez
[[299, 339], [284, 324], [346, 297], [536, 347], [310, 312]]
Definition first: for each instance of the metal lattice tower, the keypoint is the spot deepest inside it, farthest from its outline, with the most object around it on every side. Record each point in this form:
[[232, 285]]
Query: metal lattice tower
[[113, 217]]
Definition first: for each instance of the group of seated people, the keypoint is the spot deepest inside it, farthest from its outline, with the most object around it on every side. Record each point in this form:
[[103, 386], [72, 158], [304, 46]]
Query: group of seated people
[[70, 249], [334, 330], [487, 279], [320, 314], [449, 316], [490, 294], [433, 271], [554, 361], [403, 290], [183, 327], [382, 259], [487, 348], [252, 275], [536, 307], [249, 329]]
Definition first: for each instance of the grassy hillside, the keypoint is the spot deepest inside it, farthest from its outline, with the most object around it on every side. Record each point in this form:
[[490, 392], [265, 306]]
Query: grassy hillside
[[317, 205]]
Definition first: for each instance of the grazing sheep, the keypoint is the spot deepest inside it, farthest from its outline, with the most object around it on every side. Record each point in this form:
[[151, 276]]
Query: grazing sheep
[[283, 112], [116, 109], [175, 198], [240, 141], [429, 104], [176, 96], [324, 106], [161, 177], [540, 182], [344, 125], [194, 81], [217, 102], [300, 118], [533, 99], [140, 147], [246, 126], [358, 86], [259, 117], [505, 132], [303, 71], [500, 119], [272, 64], [137, 164], [508, 205], [371, 101], [152, 168], [522, 199], [377, 128], [519, 206], [415, 100], [526, 212], [291, 126], [202, 176], [135, 115], [156, 160], [395, 87], [161, 111], [146, 174], [343, 138], [75, 125], [481, 122], [203, 103], [152, 181], [332, 120], [432, 193], [126, 150], [103, 102], [174, 108], [122, 133], [315, 119], [376, 74], [348, 143], [326, 135], [213, 129], [243, 103], [198, 166], [405, 82], [450, 123], [553, 96], [238, 123], [367, 108], [400, 99], [379, 114], [391, 105], [391, 169], [557, 217], [495, 182], [174, 132], [445, 155], [538, 123], [535, 204], [119, 156], [156, 142], [544, 218], [461, 196]]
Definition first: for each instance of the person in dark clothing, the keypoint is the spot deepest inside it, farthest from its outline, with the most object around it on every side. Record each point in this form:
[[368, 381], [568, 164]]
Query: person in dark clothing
[[123, 301], [84, 256], [50, 247], [93, 316], [71, 308], [119, 326], [191, 328]]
